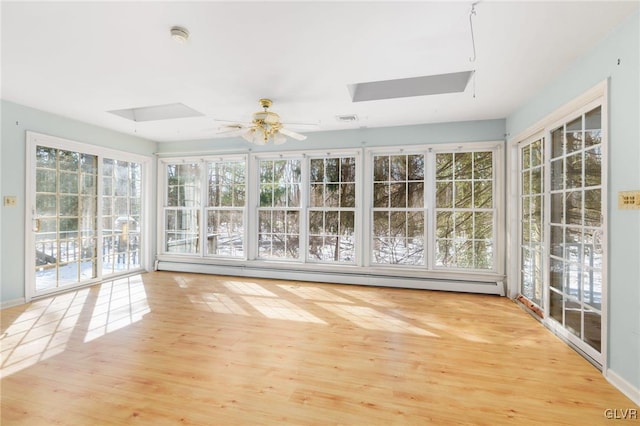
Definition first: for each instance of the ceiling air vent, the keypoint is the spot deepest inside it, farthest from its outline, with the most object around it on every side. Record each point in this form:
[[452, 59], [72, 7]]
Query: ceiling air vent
[[347, 118]]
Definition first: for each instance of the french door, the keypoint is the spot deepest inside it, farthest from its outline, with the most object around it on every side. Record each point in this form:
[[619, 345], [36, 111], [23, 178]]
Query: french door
[[84, 217], [531, 205], [576, 230], [561, 181], [64, 218]]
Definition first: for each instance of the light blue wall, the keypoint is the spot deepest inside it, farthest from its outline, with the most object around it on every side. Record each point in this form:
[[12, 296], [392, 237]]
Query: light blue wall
[[16, 120], [624, 174], [468, 131]]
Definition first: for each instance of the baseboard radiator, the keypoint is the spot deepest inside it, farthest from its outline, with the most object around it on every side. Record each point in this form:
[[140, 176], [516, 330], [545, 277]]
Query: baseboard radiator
[[350, 277]]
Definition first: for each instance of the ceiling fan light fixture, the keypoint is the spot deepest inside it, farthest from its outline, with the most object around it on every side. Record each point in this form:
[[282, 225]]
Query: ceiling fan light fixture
[[266, 127], [279, 138], [248, 135]]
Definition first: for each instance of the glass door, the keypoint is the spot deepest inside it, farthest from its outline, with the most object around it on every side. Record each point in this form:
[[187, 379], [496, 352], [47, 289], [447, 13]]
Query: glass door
[[576, 229], [64, 218]]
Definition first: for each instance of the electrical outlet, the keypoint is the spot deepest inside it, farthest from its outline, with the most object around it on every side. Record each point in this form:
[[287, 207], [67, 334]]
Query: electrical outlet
[[629, 200], [10, 201]]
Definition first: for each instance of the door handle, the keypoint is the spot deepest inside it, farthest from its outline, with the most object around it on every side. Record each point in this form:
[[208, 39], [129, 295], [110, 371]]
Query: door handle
[[36, 225]]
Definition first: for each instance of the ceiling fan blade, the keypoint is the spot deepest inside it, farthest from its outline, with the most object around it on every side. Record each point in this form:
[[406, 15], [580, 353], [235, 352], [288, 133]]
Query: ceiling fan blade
[[293, 135], [232, 122]]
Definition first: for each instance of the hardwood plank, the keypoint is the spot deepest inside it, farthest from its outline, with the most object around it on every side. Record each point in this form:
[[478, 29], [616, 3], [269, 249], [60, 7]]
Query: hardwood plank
[[171, 348]]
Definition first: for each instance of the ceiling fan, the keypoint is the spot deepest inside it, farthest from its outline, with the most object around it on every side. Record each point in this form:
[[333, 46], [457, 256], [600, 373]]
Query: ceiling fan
[[265, 126]]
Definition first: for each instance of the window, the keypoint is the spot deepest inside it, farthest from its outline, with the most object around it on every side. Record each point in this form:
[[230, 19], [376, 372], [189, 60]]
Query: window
[[182, 214], [398, 214], [279, 209], [225, 208], [464, 224], [332, 202], [413, 208]]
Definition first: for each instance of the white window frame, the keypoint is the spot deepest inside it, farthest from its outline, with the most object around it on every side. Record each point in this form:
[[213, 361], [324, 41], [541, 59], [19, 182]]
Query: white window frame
[[356, 209], [302, 224], [206, 208], [368, 205], [362, 271], [497, 198]]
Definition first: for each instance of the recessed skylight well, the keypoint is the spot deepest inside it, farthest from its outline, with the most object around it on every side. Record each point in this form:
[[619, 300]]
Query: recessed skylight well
[[407, 87], [157, 112]]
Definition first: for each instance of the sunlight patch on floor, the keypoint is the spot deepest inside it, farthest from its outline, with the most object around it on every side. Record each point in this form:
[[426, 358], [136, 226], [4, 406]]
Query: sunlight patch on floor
[[281, 309], [248, 289], [313, 293], [368, 296], [371, 319], [119, 304], [218, 303], [41, 331]]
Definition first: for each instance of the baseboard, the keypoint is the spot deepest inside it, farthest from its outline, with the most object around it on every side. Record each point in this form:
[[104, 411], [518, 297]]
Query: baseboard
[[13, 302], [358, 278], [623, 386]]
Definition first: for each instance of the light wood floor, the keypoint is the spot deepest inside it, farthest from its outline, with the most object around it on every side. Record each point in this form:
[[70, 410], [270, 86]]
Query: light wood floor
[[168, 348]]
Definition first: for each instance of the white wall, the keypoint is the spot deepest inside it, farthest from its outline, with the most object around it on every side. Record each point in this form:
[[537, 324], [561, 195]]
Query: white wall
[[16, 120], [623, 45]]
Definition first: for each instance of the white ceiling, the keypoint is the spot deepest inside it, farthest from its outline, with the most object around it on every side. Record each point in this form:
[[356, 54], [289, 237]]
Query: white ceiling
[[81, 59]]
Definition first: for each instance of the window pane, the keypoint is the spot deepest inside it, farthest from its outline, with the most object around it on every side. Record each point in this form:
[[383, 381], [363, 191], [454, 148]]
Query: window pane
[[463, 165], [574, 136], [483, 165], [398, 168], [444, 166], [593, 167], [483, 194], [415, 164], [444, 224], [557, 143], [380, 168], [444, 195], [348, 169]]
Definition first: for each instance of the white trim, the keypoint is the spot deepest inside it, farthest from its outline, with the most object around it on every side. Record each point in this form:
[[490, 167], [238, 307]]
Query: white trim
[[13, 302], [29, 212], [516, 182], [355, 278], [622, 385], [591, 94], [386, 270], [604, 200]]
